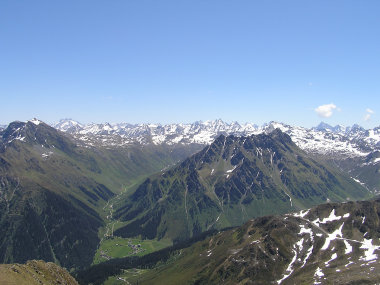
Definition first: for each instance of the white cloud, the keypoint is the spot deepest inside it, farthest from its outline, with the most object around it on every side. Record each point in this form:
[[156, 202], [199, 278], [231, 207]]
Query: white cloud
[[368, 114], [326, 111]]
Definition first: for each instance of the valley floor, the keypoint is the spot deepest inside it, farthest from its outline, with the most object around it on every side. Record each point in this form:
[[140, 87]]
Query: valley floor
[[111, 246]]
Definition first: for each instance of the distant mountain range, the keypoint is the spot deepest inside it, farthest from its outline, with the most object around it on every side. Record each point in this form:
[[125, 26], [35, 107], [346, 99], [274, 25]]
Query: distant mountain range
[[354, 149], [347, 141]]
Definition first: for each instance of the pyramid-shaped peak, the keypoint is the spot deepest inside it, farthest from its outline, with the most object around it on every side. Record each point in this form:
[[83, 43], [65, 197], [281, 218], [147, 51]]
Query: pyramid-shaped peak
[[323, 127]]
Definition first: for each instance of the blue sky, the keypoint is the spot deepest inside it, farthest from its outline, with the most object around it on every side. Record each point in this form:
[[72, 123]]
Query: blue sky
[[182, 61]]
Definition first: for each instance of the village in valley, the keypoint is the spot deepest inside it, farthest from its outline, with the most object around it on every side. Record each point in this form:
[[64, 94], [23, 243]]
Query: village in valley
[[132, 249]]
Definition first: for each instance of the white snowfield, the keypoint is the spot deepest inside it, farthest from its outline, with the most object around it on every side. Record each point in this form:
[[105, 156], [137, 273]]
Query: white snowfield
[[350, 141]]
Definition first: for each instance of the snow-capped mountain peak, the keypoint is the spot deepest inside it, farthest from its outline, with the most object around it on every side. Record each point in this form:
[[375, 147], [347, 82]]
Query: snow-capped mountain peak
[[351, 141], [68, 125], [328, 128]]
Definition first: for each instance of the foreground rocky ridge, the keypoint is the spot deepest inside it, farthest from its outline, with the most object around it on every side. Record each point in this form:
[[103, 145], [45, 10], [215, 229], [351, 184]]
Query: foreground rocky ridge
[[35, 272], [334, 243]]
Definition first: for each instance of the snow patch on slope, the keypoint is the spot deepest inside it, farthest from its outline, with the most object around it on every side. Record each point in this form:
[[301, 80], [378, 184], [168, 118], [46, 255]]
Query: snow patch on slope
[[35, 121], [369, 253], [332, 237]]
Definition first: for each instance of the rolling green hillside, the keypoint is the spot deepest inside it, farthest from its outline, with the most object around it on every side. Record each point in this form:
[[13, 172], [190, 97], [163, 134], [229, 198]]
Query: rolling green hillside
[[227, 183]]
